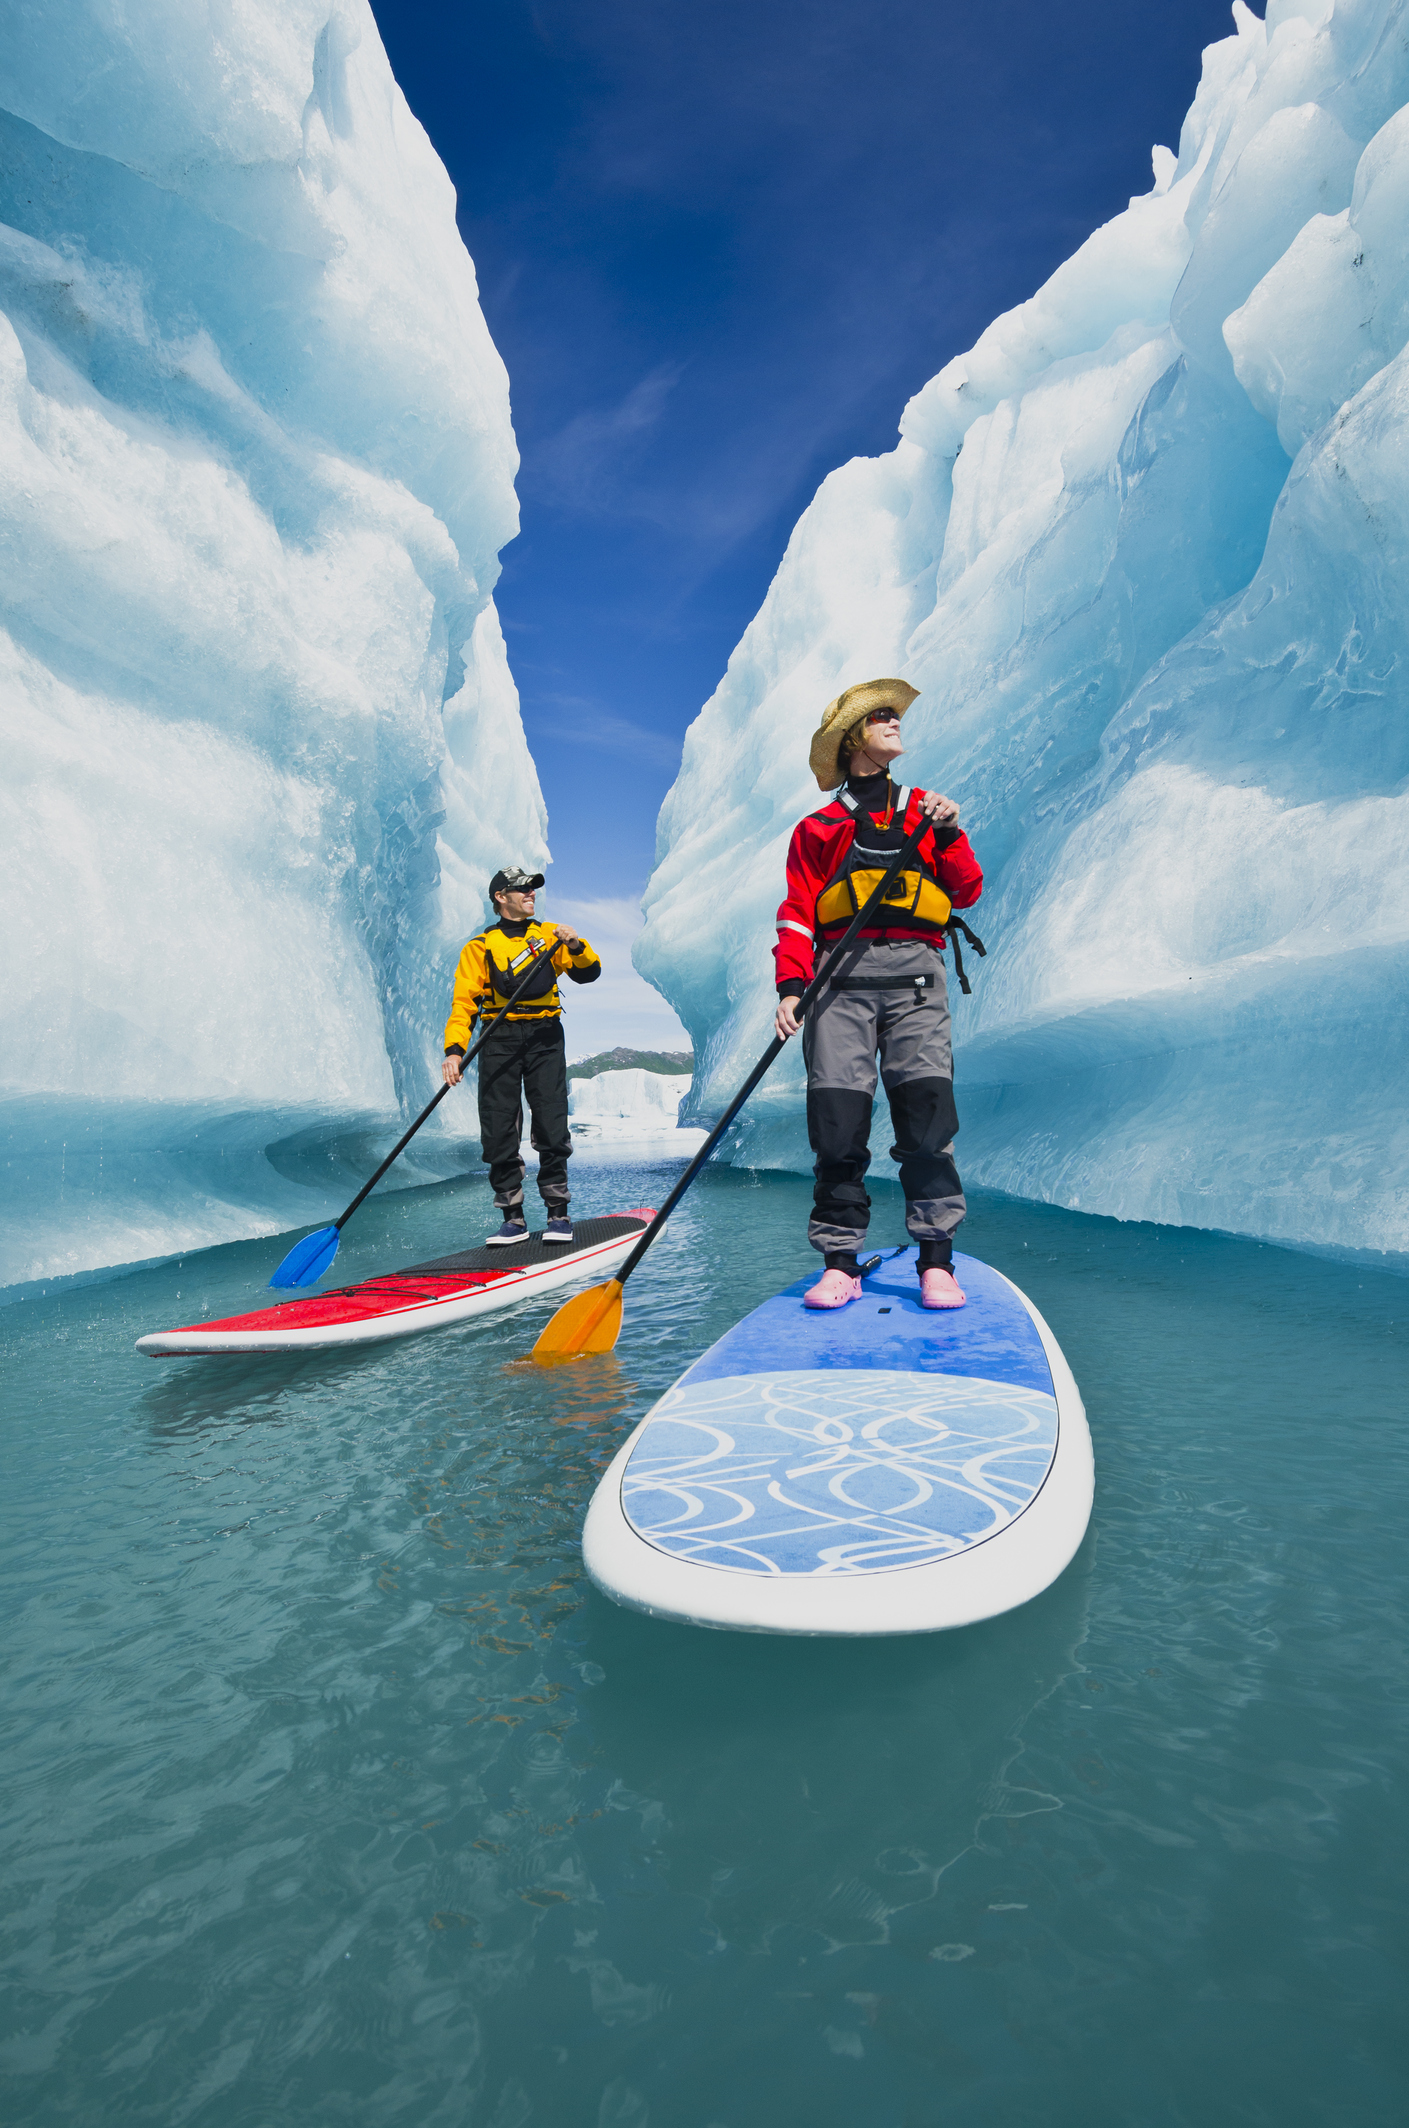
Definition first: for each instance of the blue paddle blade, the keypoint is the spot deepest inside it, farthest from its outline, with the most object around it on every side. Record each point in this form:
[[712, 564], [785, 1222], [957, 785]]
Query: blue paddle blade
[[308, 1259]]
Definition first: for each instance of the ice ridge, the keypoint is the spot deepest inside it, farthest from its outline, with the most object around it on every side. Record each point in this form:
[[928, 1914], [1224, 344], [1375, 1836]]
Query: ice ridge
[[1142, 549], [263, 744]]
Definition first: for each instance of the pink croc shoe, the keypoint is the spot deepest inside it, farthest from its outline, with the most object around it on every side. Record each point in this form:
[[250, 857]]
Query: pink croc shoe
[[833, 1290], [939, 1288]]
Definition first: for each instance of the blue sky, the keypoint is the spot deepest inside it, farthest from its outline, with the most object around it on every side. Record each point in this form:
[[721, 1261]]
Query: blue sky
[[719, 245]]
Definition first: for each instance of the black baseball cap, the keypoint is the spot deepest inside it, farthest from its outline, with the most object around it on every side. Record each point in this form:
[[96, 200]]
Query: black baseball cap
[[514, 880]]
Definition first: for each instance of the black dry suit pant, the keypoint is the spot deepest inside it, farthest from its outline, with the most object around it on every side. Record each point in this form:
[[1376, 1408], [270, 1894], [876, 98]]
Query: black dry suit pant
[[891, 997], [525, 1060]]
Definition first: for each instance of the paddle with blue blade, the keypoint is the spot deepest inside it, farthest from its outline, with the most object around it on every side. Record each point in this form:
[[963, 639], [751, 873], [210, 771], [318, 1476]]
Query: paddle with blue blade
[[591, 1320], [308, 1259]]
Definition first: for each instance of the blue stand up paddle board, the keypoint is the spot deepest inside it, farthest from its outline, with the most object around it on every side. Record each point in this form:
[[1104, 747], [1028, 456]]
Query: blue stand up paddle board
[[880, 1468]]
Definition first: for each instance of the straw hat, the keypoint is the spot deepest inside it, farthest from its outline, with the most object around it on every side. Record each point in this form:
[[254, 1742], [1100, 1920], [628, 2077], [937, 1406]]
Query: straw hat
[[849, 711]]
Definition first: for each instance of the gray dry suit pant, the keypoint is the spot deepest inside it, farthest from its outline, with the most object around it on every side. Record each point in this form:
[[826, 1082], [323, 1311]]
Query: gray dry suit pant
[[890, 997]]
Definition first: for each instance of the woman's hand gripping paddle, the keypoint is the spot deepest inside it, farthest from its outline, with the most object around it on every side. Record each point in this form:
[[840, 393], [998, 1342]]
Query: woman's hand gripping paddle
[[591, 1321], [308, 1259]]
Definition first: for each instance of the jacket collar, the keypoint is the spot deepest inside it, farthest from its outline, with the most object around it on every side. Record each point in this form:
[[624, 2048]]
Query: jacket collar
[[843, 806]]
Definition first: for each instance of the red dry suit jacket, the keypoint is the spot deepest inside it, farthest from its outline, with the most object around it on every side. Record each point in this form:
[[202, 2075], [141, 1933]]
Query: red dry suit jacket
[[819, 845]]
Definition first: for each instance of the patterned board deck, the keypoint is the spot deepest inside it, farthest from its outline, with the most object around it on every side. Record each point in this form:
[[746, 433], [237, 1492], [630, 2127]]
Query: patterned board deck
[[884, 1436]]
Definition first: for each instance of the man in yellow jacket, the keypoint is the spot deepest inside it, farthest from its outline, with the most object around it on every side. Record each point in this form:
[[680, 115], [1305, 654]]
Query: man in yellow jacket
[[524, 1057]]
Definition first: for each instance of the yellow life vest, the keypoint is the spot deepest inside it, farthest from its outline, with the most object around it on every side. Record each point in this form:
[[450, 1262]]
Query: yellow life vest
[[915, 894], [505, 964]]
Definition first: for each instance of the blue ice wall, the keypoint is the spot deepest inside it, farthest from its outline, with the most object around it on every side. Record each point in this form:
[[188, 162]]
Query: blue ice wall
[[1143, 550], [262, 743]]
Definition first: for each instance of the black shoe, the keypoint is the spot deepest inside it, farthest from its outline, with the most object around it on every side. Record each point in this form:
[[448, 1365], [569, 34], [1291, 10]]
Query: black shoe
[[514, 1229], [558, 1229]]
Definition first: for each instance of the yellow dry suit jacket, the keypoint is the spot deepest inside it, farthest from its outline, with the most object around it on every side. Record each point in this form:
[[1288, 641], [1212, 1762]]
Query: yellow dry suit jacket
[[494, 961]]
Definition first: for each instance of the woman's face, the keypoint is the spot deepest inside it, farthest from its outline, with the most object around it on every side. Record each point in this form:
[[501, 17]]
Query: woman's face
[[879, 738]]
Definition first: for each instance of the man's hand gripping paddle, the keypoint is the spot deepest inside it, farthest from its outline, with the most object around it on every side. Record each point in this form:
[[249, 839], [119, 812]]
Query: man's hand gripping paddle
[[591, 1321], [308, 1259]]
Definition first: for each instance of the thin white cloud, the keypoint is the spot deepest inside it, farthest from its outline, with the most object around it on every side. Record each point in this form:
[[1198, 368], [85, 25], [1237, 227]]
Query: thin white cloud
[[586, 723], [619, 1009], [581, 466]]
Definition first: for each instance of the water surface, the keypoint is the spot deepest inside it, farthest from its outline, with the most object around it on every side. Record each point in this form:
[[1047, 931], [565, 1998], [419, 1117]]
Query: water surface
[[334, 1793]]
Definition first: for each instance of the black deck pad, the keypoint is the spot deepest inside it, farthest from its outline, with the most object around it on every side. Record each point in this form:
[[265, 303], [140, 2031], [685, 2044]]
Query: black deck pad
[[586, 1234]]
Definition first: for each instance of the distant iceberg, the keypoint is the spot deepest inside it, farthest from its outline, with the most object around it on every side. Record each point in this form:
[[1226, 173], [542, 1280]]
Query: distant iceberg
[[627, 1115], [636, 1105], [1143, 549], [264, 748]]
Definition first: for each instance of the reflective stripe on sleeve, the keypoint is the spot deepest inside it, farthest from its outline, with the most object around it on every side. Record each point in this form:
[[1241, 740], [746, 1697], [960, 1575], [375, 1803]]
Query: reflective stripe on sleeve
[[785, 923]]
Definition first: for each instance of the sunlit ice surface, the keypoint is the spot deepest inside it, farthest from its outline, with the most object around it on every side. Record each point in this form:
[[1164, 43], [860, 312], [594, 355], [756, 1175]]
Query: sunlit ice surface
[[1139, 549], [258, 465], [335, 1791]]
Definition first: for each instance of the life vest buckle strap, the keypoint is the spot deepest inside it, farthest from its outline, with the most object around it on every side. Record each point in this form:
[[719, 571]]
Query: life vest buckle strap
[[956, 925]]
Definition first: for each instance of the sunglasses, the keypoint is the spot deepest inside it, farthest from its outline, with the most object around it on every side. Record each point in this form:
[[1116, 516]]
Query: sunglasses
[[884, 716]]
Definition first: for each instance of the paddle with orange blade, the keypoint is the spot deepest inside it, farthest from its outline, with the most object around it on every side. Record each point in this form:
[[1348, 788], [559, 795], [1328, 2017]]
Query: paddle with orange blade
[[591, 1321]]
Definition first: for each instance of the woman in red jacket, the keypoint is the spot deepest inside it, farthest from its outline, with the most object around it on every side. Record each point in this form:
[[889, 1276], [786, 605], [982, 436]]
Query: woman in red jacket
[[890, 997]]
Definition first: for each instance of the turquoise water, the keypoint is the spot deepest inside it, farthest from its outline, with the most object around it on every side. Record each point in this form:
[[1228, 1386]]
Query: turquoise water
[[333, 1792]]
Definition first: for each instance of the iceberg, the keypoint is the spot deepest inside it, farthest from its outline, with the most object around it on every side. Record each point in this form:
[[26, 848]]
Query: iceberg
[[263, 744], [633, 1105], [630, 1114], [1142, 549]]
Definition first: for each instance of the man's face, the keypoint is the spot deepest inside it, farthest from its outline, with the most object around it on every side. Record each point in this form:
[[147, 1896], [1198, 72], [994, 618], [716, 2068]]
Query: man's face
[[517, 907]]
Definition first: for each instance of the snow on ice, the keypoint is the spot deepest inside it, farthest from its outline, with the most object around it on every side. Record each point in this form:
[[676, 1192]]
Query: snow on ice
[[1144, 551]]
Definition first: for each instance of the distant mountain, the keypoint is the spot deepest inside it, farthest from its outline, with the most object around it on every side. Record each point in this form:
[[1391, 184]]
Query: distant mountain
[[669, 1061]]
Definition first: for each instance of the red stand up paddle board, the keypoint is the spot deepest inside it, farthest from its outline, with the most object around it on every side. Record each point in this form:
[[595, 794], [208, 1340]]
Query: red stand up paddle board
[[404, 1303]]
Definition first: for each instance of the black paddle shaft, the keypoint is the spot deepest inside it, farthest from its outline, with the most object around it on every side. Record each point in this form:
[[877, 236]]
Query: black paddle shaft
[[775, 1048], [401, 1144]]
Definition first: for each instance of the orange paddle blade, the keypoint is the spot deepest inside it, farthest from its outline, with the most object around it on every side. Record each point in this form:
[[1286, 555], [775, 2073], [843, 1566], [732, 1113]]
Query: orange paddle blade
[[589, 1322]]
